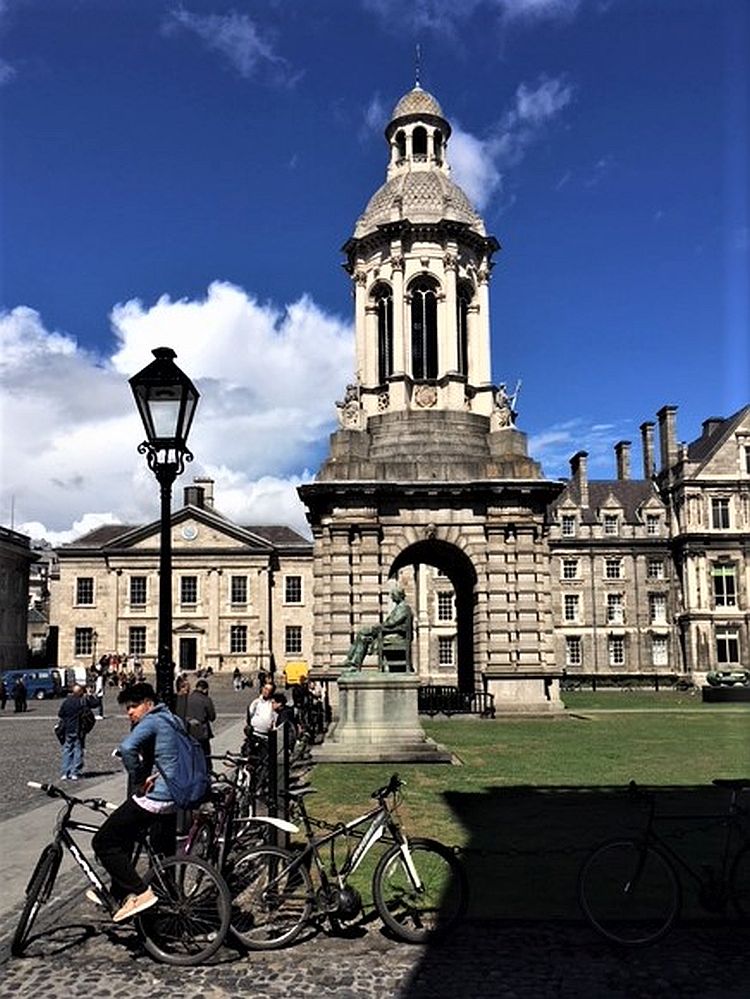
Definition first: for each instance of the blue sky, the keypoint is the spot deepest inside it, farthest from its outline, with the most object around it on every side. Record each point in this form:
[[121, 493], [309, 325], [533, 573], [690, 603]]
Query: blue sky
[[187, 173]]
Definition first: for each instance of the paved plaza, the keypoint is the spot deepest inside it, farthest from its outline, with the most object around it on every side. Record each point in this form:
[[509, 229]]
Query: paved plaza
[[76, 952]]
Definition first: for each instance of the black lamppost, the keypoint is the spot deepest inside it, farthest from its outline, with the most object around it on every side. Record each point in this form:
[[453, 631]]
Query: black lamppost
[[166, 400]]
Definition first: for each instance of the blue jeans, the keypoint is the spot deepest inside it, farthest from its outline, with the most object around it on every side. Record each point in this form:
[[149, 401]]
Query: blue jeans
[[72, 756]]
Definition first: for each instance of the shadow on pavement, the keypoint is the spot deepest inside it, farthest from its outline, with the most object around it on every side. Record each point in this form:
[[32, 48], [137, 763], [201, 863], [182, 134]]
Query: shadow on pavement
[[525, 934]]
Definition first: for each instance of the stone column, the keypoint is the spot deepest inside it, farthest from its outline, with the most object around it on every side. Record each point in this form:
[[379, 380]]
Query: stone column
[[448, 334], [360, 323]]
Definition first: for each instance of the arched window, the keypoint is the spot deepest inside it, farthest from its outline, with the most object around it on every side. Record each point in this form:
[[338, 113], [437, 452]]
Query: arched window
[[384, 303], [438, 147], [419, 141], [424, 334], [463, 301], [401, 144]]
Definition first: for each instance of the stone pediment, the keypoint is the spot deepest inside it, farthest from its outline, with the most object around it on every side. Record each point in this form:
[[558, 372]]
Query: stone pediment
[[194, 529]]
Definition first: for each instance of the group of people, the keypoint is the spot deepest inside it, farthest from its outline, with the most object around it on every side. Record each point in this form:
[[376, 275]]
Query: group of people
[[120, 670], [18, 693]]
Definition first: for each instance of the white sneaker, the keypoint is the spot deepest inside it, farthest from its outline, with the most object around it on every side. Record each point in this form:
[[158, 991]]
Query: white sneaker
[[93, 896]]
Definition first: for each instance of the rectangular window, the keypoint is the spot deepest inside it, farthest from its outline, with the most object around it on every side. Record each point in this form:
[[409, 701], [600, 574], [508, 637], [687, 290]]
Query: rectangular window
[[137, 641], [616, 650], [445, 650], [293, 590], [573, 655], [238, 638], [727, 646], [293, 640], [570, 568], [747, 458], [655, 568], [611, 523], [85, 590], [445, 606], [568, 525], [659, 650], [725, 585], [652, 523], [720, 514], [613, 568], [570, 606], [238, 591], [84, 641], [657, 608], [138, 591], [188, 589], [615, 608]]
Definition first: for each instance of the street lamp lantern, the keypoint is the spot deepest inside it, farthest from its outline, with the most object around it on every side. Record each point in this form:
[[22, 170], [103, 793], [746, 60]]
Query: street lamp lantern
[[166, 401]]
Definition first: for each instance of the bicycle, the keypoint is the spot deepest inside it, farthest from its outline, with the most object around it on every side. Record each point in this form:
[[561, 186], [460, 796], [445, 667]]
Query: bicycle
[[419, 887], [224, 823], [186, 926], [630, 888]]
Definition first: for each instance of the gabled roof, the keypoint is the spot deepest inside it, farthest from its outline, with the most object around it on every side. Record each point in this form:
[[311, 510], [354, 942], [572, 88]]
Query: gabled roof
[[630, 494], [263, 538], [705, 446]]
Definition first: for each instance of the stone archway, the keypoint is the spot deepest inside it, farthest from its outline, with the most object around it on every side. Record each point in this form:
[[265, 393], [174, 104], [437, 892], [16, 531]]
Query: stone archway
[[458, 568]]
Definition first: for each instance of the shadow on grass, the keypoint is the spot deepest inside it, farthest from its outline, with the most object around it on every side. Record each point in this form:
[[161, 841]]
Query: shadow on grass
[[526, 935]]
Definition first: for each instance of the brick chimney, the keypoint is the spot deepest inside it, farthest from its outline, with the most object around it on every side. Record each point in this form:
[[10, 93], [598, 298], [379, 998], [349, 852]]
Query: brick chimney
[[667, 417], [622, 457], [579, 472], [647, 440], [206, 485]]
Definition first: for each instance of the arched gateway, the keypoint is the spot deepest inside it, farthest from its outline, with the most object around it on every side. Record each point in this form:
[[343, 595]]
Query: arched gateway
[[428, 467]]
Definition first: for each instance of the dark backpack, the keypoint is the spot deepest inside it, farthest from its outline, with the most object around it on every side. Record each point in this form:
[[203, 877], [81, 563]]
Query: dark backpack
[[86, 721], [189, 782]]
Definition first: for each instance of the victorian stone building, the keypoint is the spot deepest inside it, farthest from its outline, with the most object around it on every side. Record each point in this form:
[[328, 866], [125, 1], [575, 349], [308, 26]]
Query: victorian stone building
[[241, 593], [16, 557], [513, 577]]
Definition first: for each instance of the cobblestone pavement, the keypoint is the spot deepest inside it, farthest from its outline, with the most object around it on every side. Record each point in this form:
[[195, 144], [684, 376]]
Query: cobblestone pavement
[[29, 742], [78, 954]]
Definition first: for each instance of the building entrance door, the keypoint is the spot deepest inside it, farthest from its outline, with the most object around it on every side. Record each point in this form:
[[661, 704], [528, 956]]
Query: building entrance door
[[188, 653]]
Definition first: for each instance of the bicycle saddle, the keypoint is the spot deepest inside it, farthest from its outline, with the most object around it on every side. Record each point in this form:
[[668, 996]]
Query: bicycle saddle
[[300, 792]]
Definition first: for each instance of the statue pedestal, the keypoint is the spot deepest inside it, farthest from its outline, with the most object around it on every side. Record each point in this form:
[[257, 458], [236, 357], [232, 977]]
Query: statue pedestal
[[378, 722]]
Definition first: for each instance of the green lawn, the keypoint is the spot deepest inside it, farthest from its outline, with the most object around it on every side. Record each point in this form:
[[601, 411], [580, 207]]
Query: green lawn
[[532, 796]]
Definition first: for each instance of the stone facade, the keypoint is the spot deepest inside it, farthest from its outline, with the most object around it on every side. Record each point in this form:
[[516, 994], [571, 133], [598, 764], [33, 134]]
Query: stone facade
[[15, 558], [241, 594]]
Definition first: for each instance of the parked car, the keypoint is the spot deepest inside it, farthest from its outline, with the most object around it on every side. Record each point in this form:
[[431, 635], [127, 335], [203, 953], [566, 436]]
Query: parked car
[[40, 683]]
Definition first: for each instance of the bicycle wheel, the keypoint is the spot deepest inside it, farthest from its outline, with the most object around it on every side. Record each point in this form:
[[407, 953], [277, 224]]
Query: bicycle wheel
[[37, 892], [739, 882], [416, 912], [191, 919], [629, 892], [271, 898]]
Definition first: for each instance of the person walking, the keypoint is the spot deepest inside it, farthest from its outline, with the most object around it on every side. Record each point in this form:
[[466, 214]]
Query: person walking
[[237, 679], [150, 754], [71, 709], [260, 712], [284, 715], [181, 693], [3, 694], [200, 713], [99, 692]]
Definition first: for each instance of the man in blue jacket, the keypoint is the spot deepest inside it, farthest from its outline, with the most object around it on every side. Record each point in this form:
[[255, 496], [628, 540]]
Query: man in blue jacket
[[148, 752], [71, 709]]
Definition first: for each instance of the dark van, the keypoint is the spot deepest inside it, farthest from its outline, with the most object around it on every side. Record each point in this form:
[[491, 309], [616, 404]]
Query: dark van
[[40, 683]]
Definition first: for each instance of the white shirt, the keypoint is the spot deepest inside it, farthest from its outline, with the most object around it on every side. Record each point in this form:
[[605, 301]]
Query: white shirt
[[261, 715]]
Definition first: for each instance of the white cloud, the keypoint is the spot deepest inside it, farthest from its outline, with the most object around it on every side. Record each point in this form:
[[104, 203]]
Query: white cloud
[[267, 378], [7, 72], [444, 16], [237, 38], [554, 446], [478, 164]]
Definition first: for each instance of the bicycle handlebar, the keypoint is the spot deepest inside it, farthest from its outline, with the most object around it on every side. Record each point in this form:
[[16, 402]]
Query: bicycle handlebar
[[52, 791], [390, 788]]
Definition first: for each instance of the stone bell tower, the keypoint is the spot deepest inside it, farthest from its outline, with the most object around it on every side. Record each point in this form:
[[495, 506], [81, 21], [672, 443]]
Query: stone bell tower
[[427, 466]]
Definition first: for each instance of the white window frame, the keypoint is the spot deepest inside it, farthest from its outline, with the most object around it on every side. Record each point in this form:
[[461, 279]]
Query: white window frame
[[446, 650], [290, 581], [616, 650], [730, 637], [611, 524], [720, 511], [237, 639], [242, 585], [293, 640], [137, 639], [615, 608], [569, 568], [82, 580], [720, 573], [572, 607], [568, 525], [446, 606], [653, 523], [659, 650], [83, 641], [613, 568], [138, 579], [655, 569], [573, 650], [184, 580]]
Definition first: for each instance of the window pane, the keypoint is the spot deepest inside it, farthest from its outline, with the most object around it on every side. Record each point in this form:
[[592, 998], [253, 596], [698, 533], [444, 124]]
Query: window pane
[[138, 591], [239, 589], [293, 640], [573, 651], [84, 641], [445, 650], [445, 606], [85, 590], [293, 589], [238, 638], [137, 641], [189, 590]]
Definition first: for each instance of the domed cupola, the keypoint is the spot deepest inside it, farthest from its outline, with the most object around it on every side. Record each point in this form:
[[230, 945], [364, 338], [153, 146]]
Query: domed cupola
[[420, 258]]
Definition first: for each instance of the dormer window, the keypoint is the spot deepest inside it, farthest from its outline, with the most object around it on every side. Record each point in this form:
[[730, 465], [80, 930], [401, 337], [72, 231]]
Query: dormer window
[[611, 524], [568, 525]]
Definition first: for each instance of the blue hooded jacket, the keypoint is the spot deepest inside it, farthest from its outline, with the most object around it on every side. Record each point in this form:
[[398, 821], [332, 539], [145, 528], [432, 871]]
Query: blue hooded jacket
[[152, 747]]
